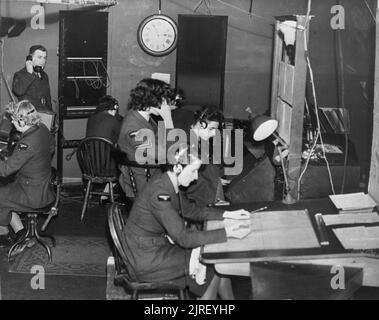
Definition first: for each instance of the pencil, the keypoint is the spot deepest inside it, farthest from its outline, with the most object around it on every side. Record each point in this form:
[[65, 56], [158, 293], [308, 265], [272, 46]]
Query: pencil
[[259, 210]]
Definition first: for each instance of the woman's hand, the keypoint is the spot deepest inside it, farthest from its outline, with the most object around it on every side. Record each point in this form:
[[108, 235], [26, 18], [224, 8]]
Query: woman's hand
[[237, 229], [165, 113], [240, 214]]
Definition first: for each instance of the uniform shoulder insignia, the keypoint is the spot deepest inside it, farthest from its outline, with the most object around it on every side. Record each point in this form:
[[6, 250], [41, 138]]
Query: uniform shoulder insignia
[[133, 134], [164, 197], [22, 146]]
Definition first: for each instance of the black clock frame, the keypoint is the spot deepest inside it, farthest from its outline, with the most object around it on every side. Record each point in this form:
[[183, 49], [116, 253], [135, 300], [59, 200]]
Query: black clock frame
[[142, 44]]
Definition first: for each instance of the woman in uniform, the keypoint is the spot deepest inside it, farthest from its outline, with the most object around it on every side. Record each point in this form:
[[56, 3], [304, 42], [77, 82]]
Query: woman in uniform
[[31, 161], [149, 97], [208, 188], [157, 241]]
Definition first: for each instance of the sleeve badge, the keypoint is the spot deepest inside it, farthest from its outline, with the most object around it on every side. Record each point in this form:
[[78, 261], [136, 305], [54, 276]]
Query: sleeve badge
[[22, 146], [164, 197]]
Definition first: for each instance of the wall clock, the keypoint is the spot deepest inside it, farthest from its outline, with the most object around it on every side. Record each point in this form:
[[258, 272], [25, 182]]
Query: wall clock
[[157, 35]]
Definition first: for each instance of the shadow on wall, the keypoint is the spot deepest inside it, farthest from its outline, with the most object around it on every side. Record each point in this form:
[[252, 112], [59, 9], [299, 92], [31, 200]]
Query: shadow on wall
[[11, 27]]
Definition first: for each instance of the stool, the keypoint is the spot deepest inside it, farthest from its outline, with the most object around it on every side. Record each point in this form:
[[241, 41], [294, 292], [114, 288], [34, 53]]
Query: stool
[[31, 229]]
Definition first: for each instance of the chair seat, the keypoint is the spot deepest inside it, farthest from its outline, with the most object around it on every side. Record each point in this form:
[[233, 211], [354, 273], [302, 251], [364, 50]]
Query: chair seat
[[100, 179], [134, 285], [44, 210]]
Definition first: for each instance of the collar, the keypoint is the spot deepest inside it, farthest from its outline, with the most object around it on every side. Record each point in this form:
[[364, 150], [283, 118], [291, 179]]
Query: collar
[[174, 180], [144, 115], [29, 131]]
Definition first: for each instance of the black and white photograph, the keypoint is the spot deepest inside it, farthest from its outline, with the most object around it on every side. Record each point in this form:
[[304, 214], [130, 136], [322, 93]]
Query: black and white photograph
[[169, 150]]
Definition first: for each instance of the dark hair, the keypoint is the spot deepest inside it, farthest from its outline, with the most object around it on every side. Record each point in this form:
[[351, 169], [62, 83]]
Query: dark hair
[[178, 98], [107, 103], [149, 93], [207, 114], [36, 47]]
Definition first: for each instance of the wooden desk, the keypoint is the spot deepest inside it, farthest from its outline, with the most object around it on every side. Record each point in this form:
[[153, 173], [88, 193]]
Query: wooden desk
[[240, 263]]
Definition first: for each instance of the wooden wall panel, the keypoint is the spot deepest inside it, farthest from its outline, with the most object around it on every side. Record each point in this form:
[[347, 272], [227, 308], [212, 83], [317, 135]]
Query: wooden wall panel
[[373, 186]]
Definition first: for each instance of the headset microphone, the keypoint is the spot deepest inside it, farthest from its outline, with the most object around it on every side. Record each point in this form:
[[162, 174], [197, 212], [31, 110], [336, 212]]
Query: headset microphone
[[203, 123]]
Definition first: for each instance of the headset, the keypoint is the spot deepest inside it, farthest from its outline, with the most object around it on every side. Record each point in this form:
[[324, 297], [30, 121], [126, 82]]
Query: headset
[[22, 119], [178, 167], [107, 103], [201, 119]]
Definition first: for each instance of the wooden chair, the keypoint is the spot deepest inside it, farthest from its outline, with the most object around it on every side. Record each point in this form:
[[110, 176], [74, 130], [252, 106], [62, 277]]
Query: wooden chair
[[51, 210], [133, 164], [122, 159], [96, 160], [116, 223]]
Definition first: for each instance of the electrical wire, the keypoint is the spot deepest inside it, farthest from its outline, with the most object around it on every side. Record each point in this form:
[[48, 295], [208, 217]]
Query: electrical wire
[[2, 72], [318, 134], [372, 14], [244, 11], [77, 90], [341, 96]]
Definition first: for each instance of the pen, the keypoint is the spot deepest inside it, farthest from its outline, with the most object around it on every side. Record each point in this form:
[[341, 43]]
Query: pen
[[259, 210]]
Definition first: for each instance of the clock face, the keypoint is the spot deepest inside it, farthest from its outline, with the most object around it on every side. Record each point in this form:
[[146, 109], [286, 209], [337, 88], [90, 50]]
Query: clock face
[[157, 35]]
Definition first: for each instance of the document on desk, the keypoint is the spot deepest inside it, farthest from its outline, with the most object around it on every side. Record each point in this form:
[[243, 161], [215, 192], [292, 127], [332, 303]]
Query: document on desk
[[270, 230], [351, 218], [358, 237], [353, 201]]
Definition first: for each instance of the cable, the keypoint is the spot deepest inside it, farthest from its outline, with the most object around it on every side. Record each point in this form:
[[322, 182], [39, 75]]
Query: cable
[[341, 97], [106, 72], [244, 11], [318, 134], [2, 72], [77, 90], [372, 14]]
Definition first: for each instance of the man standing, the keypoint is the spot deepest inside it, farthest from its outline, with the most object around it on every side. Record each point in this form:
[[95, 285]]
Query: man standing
[[31, 82]]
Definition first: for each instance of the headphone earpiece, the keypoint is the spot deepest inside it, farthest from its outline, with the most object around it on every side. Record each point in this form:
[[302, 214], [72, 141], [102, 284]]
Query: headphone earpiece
[[203, 124], [21, 122]]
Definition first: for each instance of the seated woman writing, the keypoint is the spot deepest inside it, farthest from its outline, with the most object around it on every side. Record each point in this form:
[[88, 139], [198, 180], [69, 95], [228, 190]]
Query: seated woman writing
[[157, 241]]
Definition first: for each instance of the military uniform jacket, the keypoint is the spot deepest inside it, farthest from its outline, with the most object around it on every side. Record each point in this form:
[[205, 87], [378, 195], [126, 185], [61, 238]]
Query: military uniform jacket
[[130, 140], [204, 190], [103, 125], [31, 161], [33, 88], [156, 214]]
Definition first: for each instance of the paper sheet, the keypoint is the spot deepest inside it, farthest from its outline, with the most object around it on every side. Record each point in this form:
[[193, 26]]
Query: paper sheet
[[358, 237], [352, 201], [353, 218], [165, 77], [270, 230]]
